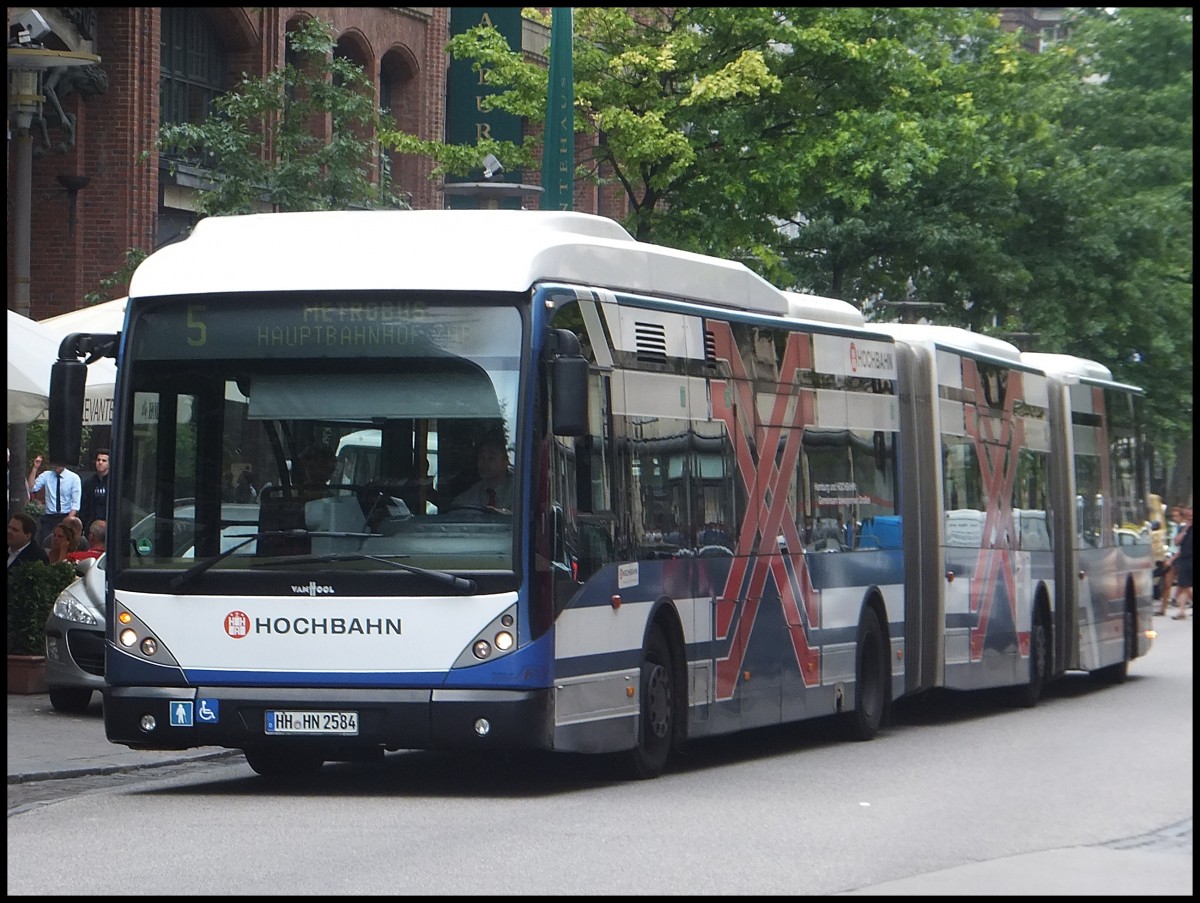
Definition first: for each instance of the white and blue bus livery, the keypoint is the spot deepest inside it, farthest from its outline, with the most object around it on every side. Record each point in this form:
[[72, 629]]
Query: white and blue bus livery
[[734, 506]]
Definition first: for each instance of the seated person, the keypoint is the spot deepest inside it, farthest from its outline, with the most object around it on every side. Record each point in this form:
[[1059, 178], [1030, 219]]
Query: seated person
[[83, 544], [97, 540], [63, 541], [828, 536], [316, 466], [22, 540], [494, 489]]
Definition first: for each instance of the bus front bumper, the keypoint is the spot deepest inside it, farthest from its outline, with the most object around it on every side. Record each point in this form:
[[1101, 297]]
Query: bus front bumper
[[236, 717]]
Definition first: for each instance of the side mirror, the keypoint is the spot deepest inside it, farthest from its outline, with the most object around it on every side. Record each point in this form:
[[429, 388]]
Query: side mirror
[[569, 396], [68, 380], [568, 384]]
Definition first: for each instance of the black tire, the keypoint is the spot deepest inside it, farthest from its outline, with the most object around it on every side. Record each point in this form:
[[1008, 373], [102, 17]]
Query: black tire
[[1117, 674], [870, 679], [656, 716], [1030, 694], [283, 764], [70, 699]]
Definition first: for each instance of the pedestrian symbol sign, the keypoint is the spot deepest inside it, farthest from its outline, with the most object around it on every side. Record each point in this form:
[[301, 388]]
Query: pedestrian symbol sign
[[181, 713]]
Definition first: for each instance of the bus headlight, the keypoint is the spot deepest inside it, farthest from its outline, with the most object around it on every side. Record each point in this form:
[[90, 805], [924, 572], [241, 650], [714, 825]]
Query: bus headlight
[[496, 640], [128, 636]]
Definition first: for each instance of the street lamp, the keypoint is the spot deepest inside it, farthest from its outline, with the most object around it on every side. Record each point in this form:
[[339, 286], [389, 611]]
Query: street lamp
[[488, 194]]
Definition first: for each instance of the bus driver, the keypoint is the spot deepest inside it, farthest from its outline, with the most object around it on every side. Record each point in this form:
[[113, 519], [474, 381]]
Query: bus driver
[[494, 489]]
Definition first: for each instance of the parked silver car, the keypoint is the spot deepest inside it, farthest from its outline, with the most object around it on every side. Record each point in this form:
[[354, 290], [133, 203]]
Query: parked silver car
[[75, 640], [75, 627]]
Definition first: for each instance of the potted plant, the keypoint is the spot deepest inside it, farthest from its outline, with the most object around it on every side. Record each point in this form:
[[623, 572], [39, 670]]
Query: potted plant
[[32, 589]]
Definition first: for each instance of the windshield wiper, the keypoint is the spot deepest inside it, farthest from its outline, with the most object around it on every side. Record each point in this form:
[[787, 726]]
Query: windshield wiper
[[462, 584], [200, 567]]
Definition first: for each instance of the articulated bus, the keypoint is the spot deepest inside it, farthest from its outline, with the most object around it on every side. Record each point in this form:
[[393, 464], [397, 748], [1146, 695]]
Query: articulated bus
[[734, 506]]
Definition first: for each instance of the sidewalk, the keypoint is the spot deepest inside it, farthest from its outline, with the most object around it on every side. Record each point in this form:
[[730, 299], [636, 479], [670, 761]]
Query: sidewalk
[[45, 744]]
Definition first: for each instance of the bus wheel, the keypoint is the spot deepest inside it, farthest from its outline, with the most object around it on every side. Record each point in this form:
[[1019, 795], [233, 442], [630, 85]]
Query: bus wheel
[[656, 721], [1116, 674], [283, 763], [871, 680], [1029, 694]]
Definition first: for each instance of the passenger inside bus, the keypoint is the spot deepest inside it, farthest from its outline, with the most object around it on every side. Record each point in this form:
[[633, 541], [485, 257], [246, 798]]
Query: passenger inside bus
[[829, 535]]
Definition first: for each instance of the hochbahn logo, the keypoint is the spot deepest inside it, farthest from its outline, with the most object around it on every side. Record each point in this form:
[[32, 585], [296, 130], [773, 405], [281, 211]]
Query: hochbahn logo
[[875, 360], [239, 625]]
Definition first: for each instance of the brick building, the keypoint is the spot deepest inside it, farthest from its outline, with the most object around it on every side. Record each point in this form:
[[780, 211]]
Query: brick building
[[94, 192], [1040, 26]]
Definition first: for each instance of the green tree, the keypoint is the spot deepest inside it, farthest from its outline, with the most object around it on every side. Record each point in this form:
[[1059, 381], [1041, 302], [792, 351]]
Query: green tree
[[630, 90], [1130, 123], [888, 154], [260, 149], [116, 284], [795, 139], [260, 146]]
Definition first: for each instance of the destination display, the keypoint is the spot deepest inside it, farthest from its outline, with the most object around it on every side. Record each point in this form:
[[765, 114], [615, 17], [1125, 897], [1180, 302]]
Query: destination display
[[353, 329]]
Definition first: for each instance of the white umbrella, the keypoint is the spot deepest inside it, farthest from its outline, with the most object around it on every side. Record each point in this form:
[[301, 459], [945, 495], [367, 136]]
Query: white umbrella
[[32, 351], [99, 318]]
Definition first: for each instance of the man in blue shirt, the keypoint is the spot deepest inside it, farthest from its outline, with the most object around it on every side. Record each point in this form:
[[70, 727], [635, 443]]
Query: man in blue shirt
[[63, 493]]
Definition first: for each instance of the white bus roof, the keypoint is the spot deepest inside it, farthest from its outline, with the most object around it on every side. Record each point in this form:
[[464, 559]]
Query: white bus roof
[[824, 310], [953, 338], [1066, 365], [439, 250]]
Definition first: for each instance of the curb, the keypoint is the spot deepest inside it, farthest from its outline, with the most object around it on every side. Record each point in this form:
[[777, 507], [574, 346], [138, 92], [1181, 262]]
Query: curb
[[30, 776]]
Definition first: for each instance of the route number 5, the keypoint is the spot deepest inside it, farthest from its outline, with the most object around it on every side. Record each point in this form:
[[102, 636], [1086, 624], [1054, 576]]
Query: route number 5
[[193, 322]]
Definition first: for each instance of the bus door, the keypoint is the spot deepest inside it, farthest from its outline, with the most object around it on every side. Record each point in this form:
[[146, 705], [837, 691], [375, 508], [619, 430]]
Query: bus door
[[742, 476]]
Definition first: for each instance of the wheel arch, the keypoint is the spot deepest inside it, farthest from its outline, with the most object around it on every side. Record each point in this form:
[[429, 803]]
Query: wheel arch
[[874, 601], [1131, 608], [1041, 604], [665, 616]]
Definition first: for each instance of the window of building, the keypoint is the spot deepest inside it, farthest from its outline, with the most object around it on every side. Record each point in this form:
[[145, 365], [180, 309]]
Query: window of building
[[1049, 36], [387, 87], [193, 66]]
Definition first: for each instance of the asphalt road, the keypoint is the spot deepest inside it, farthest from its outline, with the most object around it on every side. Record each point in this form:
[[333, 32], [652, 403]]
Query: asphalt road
[[743, 794]]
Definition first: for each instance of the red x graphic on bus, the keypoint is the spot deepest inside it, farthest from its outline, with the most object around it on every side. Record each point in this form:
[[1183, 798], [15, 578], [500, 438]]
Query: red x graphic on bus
[[991, 434], [767, 471]]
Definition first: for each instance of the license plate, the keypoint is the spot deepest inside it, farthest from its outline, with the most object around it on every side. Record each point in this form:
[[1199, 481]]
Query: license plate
[[343, 724]]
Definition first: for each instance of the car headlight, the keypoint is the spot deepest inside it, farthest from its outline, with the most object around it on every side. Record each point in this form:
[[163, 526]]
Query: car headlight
[[68, 608]]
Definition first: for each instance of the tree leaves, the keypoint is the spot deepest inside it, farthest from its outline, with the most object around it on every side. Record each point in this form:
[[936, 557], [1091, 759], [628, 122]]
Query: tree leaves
[[262, 147]]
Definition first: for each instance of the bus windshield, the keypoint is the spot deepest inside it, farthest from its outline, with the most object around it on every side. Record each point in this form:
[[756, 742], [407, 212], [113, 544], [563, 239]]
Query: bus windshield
[[278, 433]]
